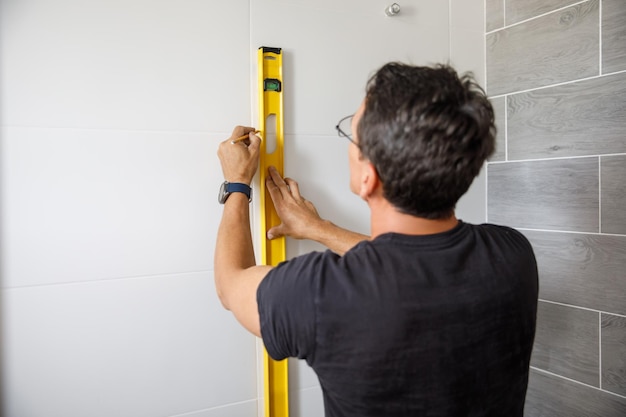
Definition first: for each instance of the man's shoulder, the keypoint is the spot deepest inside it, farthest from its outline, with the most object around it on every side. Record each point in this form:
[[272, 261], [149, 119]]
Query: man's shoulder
[[491, 227], [504, 243], [500, 231]]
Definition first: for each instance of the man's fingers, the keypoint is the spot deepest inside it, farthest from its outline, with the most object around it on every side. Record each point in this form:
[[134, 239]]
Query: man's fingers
[[293, 188], [254, 144], [279, 181], [275, 192]]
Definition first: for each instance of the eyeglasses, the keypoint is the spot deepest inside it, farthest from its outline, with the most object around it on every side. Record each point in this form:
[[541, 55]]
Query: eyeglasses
[[344, 128]]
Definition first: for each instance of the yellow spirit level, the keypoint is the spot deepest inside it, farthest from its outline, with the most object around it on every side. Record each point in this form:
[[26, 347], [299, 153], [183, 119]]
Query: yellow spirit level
[[270, 62]]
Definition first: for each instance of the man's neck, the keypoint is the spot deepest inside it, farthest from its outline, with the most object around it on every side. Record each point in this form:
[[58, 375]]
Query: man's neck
[[387, 219]]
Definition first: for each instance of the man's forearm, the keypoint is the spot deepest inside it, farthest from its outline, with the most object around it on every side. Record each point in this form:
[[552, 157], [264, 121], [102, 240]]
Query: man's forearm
[[335, 238], [234, 251]]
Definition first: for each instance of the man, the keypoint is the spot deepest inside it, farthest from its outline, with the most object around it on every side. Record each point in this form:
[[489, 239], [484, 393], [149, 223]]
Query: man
[[429, 316]]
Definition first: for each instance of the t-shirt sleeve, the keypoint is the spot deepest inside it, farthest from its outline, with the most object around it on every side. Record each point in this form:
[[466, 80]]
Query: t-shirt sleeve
[[287, 306]]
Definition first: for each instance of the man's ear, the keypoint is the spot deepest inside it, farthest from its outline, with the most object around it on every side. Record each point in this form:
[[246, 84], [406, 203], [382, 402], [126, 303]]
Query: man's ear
[[370, 182]]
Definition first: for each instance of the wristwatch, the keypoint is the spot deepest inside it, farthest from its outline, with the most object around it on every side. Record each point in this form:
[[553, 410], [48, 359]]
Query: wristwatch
[[227, 188]]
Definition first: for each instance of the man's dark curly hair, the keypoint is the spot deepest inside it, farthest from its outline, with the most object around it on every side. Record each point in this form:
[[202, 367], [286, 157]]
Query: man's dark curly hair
[[427, 132]]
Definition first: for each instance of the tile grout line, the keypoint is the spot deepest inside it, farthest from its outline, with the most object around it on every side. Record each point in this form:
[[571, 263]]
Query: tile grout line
[[105, 280], [309, 388], [543, 371], [600, 349], [485, 45], [251, 60], [487, 89], [153, 131], [600, 194], [487, 192], [115, 129], [260, 400], [600, 37], [530, 229], [534, 17], [219, 407], [449, 30], [506, 128], [582, 308], [545, 87], [556, 158]]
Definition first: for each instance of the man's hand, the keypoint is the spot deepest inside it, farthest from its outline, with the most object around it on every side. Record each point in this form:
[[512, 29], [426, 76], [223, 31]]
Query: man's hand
[[300, 219], [240, 160], [298, 215]]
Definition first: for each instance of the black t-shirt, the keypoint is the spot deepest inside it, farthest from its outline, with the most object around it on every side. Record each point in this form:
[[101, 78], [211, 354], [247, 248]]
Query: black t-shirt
[[437, 325]]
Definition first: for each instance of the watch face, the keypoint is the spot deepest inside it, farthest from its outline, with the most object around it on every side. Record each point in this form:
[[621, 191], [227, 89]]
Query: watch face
[[223, 194]]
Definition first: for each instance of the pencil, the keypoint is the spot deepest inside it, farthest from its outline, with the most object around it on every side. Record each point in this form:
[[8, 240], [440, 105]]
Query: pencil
[[244, 137]]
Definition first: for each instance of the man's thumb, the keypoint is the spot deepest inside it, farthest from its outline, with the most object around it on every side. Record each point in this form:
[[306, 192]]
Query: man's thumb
[[276, 231]]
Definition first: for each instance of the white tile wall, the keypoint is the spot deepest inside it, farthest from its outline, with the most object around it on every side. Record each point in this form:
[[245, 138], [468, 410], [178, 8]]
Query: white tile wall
[[111, 115], [466, 58], [467, 37], [320, 164], [94, 204], [248, 408], [471, 207], [467, 14], [332, 48], [151, 346], [307, 402], [301, 375], [140, 64]]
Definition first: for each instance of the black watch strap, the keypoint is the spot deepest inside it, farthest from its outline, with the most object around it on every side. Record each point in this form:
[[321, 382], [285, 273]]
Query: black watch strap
[[238, 187], [228, 188]]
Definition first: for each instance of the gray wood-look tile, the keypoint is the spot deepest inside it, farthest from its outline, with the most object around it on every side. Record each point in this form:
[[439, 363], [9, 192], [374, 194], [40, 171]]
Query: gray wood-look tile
[[558, 194], [567, 342], [558, 47], [494, 14], [582, 118], [518, 10], [499, 108], [581, 269], [614, 353], [551, 396], [613, 35], [613, 175]]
